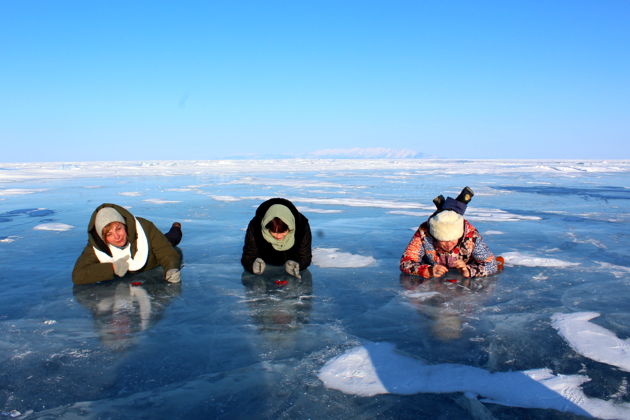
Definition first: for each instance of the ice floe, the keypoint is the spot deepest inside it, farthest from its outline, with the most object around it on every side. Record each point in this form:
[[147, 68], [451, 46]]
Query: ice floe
[[376, 368], [20, 191], [304, 209], [333, 258], [517, 258], [56, 170], [160, 201], [619, 271], [591, 340], [56, 227], [8, 239]]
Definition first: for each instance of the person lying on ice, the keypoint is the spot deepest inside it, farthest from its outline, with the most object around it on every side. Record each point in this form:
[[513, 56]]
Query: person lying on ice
[[119, 243], [447, 240], [279, 235]]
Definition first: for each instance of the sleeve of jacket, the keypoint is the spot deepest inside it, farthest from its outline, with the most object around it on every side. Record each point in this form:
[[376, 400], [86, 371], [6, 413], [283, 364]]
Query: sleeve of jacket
[[483, 262], [250, 249], [302, 252], [166, 255], [411, 260], [88, 269]]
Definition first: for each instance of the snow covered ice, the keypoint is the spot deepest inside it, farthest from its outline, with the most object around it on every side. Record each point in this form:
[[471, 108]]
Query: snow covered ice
[[546, 338]]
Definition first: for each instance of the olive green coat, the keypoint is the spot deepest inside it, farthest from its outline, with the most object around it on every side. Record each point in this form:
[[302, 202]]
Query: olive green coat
[[88, 269]]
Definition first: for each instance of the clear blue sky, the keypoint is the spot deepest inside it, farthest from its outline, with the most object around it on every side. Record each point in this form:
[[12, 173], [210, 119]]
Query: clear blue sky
[[135, 80]]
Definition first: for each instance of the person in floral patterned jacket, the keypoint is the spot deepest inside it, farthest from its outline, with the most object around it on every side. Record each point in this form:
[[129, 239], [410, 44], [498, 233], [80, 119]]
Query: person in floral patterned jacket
[[446, 240]]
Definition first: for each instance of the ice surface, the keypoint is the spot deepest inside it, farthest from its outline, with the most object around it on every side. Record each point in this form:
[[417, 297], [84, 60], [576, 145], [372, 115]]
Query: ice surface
[[225, 344]]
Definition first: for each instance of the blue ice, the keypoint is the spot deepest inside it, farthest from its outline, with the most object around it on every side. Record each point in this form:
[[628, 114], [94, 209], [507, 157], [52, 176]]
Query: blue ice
[[546, 338]]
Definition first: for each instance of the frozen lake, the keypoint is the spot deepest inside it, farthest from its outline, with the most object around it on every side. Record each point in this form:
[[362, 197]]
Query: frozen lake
[[546, 338]]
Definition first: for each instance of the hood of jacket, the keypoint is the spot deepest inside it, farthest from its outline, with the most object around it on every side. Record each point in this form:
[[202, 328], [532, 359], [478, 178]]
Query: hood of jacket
[[262, 209], [130, 221]]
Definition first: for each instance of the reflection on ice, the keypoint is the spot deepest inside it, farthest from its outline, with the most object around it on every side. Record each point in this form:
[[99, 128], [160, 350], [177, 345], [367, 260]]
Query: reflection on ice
[[121, 309], [447, 301], [277, 300]]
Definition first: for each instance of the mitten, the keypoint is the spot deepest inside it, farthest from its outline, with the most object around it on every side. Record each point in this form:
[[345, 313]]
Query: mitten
[[292, 268], [121, 266], [172, 276], [259, 266]]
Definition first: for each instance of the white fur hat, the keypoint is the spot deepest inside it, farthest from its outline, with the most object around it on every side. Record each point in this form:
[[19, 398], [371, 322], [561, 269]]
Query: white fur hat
[[104, 217], [446, 226]]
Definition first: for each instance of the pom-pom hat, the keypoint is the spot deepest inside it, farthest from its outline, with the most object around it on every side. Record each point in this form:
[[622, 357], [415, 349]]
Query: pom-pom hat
[[446, 226], [447, 223]]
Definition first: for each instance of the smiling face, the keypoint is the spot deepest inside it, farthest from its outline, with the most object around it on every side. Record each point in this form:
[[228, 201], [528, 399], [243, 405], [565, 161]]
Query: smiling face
[[115, 234]]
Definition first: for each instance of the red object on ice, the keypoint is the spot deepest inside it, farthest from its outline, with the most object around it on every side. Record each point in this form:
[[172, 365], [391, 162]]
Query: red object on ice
[[136, 283], [451, 280], [281, 282]]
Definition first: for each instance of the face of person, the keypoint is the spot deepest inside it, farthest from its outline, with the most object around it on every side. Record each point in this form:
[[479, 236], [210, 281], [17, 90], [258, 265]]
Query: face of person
[[117, 235], [279, 235], [447, 245]]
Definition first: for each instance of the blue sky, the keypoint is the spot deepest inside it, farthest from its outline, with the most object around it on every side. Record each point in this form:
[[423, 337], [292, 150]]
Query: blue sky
[[139, 80]]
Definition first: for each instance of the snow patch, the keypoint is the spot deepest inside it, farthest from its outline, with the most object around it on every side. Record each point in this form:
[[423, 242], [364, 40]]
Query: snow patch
[[592, 341], [226, 198], [55, 227], [130, 194], [411, 213], [516, 258], [376, 368], [540, 277], [496, 215], [594, 242], [323, 211], [160, 201], [332, 258], [298, 183], [21, 191], [619, 271], [420, 296], [8, 239]]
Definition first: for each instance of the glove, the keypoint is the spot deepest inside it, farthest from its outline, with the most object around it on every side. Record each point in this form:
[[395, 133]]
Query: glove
[[121, 266], [292, 268], [259, 266], [172, 276]]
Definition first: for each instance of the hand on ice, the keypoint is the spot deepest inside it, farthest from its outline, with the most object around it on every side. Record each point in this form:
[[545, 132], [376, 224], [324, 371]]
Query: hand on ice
[[121, 266], [259, 266], [461, 266], [172, 276], [292, 268], [439, 270]]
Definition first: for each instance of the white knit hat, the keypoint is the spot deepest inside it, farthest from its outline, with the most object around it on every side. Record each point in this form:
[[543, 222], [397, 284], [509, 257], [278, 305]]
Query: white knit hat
[[446, 226], [104, 217]]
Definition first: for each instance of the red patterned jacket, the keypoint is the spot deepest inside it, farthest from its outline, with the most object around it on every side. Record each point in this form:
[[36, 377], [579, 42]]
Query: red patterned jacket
[[422, 254]]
